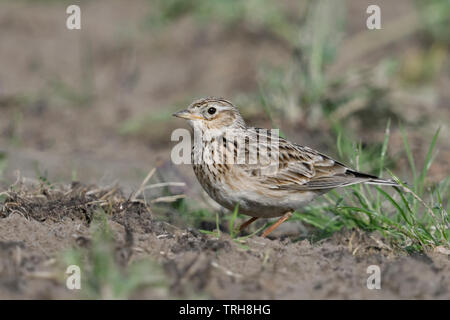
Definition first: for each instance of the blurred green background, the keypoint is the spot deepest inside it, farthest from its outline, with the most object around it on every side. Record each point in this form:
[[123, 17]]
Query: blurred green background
[[95, 104]]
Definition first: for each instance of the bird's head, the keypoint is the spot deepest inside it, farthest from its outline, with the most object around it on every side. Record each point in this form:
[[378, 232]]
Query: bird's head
[[212, 114]]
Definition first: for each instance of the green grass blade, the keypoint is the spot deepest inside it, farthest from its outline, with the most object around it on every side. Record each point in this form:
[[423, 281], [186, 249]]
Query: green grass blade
[[406, 204], [387, 134], [428, 161], [383, 157], [232, 222], [396, 205], [409, 155]]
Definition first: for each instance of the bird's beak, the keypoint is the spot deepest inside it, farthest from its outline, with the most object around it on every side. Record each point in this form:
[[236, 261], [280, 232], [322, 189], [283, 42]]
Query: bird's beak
[[185, 114]]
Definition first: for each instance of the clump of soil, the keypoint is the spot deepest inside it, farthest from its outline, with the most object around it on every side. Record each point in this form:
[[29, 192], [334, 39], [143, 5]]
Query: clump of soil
[[55, 203], [39, 222]]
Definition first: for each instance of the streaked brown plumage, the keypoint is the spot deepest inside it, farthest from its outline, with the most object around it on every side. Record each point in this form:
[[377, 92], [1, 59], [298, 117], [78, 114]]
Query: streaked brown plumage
[[263, 189]]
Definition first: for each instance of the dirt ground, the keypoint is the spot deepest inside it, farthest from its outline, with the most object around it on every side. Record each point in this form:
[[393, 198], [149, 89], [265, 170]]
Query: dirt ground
[[70, 102], [37, 225]]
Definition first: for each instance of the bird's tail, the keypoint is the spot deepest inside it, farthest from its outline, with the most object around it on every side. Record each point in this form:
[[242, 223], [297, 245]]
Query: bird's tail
[[383, 182], [370, 179]]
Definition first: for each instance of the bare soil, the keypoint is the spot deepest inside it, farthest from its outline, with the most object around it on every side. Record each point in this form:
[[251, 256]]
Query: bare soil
[[38, 224]]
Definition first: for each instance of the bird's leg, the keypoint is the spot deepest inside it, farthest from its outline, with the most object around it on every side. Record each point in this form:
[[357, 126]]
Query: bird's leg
[[247, 223], [285, 217]]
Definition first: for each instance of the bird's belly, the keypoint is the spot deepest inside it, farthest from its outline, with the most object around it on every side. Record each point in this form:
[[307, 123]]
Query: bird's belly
[[255, 205], [258, 204]]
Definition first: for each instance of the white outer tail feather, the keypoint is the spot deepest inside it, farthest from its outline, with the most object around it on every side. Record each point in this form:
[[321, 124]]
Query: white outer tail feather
[[383, 182]]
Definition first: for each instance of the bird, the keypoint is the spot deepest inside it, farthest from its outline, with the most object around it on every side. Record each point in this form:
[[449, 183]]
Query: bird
[[274, 185]]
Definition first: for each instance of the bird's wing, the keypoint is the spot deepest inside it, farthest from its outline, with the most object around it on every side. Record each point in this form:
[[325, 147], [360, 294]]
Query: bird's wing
[[301, 168]]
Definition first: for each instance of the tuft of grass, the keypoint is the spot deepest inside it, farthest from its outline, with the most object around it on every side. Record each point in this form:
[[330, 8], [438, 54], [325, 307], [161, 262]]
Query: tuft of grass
[[102, 276], [197, 217], [42, 176], [403, 217], [258, 15], [435, 17], [299, 90], [69, 95]]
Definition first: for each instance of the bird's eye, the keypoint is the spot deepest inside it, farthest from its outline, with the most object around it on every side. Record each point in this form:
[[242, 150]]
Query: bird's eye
[[212, 110]]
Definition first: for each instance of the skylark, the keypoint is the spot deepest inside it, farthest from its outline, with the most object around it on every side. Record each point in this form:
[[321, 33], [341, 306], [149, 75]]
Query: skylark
[[282, 177]]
